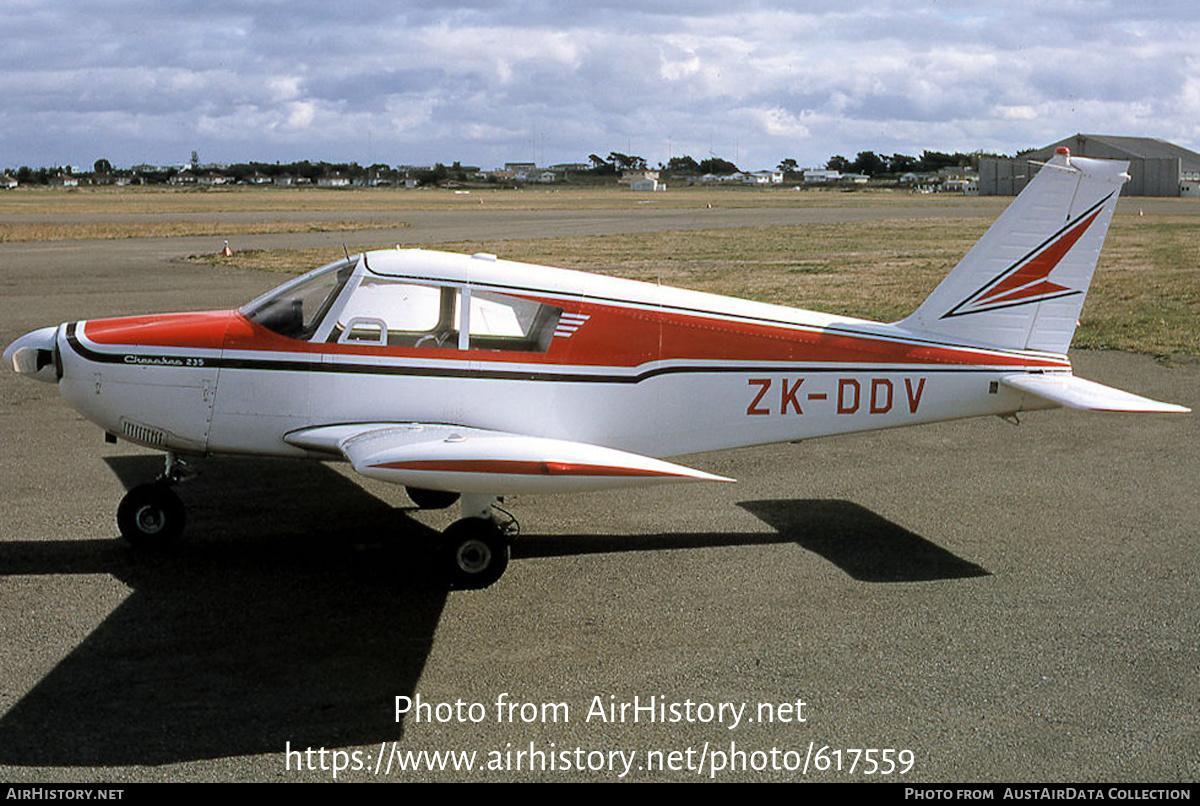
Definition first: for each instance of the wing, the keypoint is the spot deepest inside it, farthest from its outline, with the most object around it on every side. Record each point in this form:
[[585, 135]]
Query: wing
[[473, 460], [1078, 393]]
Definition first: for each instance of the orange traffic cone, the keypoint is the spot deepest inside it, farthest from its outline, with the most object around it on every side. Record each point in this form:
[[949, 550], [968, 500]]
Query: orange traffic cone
[[227, 252]]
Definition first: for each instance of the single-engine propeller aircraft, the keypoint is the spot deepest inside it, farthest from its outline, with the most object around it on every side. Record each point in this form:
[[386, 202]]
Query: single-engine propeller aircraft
[[473, 377]]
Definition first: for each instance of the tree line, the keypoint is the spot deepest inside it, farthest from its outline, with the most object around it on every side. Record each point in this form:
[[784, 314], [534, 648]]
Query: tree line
[[869, 163], [872, 164], [310, 170]]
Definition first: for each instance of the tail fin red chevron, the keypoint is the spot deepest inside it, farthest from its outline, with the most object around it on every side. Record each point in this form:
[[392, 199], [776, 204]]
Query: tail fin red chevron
[[1023, 284]]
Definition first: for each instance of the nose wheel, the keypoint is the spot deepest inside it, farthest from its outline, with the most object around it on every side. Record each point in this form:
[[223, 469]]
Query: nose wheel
[[151, 516]]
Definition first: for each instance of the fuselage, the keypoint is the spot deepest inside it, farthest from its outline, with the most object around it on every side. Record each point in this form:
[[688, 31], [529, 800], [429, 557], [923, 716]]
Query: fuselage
[[414, 336]]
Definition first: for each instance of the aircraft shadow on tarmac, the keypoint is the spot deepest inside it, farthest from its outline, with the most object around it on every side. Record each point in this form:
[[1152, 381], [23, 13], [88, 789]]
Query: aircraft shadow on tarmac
[[301, 622], [866, 546]]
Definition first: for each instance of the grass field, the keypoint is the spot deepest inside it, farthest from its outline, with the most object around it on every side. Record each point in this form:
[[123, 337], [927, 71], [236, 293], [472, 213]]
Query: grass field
[[34, 202], [1145, 298]]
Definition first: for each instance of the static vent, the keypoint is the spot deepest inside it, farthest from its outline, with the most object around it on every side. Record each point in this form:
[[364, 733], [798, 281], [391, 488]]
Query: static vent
[[143, 434]]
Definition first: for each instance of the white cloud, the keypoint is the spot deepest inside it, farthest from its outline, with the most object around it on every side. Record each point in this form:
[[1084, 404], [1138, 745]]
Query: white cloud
[[776, 122], [409, 114], [284, 88], [436, 81], [679, 67], [300, 115], [1022, 112]]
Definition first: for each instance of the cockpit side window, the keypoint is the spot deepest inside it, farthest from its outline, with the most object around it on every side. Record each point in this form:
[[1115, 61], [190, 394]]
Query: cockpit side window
[[385, 312], [295, 309]]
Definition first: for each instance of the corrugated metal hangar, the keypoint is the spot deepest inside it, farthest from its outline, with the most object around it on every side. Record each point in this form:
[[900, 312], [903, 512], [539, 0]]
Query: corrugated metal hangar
[[1157, 168]]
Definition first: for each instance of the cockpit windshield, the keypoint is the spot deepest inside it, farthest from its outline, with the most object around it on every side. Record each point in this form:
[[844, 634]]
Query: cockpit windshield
[[295, 309]]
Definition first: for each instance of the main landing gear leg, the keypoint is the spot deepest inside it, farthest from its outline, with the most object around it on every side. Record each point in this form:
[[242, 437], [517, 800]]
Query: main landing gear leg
[[151, 516], [475, 549]]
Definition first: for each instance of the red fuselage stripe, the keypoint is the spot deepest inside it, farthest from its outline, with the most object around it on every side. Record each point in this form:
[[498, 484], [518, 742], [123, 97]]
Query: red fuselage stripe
[[610, 339]]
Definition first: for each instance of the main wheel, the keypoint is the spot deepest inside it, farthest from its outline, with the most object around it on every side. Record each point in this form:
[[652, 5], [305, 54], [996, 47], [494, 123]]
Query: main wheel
[[476, 553], [150, 516], [430, 499]]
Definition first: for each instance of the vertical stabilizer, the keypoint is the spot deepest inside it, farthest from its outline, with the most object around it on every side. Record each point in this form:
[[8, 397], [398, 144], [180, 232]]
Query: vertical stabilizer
[[1023, 284]]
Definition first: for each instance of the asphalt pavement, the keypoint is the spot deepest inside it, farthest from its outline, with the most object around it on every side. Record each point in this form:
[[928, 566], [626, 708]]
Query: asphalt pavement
[[967, 601]]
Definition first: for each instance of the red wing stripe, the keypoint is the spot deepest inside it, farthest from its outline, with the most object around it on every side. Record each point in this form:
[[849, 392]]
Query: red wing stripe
[[519, 468]]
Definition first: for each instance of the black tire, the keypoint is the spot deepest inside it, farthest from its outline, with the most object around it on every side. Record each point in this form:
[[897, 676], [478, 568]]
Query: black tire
[[475, 553], [151, 516], [431, 499]]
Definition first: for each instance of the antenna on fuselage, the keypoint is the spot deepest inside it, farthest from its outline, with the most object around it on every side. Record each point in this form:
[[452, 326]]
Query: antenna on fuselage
[[364, 256]]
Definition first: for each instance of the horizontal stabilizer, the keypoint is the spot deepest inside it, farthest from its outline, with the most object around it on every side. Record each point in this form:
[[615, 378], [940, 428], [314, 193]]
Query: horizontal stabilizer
[[1078, 393], [472, 460]]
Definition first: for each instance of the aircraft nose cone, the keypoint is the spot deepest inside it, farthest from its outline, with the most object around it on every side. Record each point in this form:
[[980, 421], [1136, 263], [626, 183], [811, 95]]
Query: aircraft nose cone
[[33, 354]]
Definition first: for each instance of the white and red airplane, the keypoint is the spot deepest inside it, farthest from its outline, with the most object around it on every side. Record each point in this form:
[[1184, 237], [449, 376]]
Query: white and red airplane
[[470, 376]]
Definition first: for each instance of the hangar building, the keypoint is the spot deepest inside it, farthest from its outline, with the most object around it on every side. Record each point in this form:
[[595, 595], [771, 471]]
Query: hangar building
[[1157, 168]]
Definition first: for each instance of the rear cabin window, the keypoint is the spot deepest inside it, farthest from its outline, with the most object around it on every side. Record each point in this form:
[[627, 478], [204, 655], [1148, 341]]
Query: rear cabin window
[[503, 322]]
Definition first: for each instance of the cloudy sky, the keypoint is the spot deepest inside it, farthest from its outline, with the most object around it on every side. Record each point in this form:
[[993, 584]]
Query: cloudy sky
[[491, 81]]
